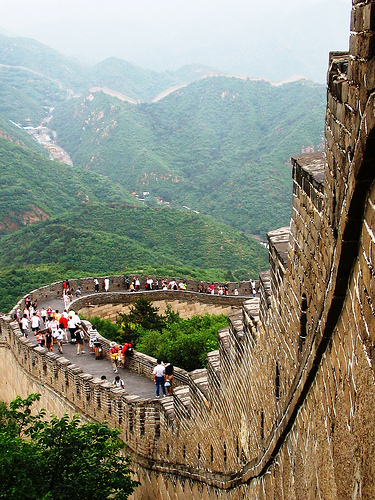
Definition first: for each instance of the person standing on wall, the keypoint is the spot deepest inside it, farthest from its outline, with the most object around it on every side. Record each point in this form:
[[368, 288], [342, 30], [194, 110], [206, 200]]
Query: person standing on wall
[[159, 373], [169, 378], [60, 335], [118, 382], [114, 353], [25, 325], [79, 340]]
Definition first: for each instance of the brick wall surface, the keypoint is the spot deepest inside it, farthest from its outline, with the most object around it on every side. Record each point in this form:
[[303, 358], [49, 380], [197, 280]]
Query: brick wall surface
[[285, 407]]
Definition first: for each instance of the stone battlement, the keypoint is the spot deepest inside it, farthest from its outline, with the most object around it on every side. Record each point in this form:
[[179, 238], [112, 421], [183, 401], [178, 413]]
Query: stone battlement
[[285, 406], [118, 284]]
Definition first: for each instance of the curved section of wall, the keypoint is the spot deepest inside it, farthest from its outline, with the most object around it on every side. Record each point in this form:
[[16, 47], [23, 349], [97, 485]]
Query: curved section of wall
[[285, 407], [187, 304]]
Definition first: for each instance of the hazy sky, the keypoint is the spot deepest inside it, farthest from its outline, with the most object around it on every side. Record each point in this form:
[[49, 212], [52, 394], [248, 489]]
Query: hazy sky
[[163, 34]]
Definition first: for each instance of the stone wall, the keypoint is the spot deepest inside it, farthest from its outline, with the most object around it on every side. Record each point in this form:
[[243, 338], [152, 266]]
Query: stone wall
[[285, 407], [118, 284], [187, 304]]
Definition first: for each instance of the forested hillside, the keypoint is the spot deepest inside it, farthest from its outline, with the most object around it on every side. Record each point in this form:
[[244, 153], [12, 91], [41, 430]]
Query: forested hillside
[[221, 146], [110, 239], [105, 238], [27, 95], [218, 146], [34, 188], [58, 221]]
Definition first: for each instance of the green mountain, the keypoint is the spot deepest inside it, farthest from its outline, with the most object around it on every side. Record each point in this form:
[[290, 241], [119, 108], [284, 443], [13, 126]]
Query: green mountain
[[220, 146], [57, 221], [35, 68], [99, 238], [142, 85], [34, 188], [217, 145], [27, 53]]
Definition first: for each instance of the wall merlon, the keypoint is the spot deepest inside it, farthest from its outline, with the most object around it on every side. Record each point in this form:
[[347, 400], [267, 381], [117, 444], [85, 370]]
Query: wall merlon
[[285, 407]]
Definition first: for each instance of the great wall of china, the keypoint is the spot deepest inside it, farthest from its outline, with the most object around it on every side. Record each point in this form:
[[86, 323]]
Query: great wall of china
[[285, 408]]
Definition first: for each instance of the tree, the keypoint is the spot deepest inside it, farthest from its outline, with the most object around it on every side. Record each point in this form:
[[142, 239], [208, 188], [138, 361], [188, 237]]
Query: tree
[[184, 342], [59, 459], [142, 316]]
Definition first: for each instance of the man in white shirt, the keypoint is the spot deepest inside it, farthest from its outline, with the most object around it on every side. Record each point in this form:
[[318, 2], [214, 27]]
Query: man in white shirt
[[35, 323], [25, 325], [159, 373]]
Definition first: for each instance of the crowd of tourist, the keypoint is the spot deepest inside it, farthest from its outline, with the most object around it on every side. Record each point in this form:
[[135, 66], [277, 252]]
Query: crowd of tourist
[[50, 327], [134, 285]]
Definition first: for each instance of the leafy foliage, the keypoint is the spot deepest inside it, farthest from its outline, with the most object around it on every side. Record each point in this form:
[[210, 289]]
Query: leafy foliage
[[107, 329], [60, 458], [142, 316], [184, 343]]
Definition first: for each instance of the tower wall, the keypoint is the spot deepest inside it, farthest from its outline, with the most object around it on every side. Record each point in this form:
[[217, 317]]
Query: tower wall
[[285, 407]]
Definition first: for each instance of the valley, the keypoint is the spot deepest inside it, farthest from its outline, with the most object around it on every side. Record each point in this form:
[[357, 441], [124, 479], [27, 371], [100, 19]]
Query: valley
[[179, 173], [47, 138]]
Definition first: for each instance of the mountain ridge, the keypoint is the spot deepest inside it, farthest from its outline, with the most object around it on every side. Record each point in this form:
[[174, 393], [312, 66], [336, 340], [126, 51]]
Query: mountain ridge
[[118, 72], [216, 135]]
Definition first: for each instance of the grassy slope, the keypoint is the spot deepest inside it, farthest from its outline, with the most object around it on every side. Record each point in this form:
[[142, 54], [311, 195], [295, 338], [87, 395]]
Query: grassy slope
[[106, 238]]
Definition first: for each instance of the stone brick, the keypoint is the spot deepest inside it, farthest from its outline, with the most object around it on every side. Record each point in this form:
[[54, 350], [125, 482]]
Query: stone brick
[[273, 416]]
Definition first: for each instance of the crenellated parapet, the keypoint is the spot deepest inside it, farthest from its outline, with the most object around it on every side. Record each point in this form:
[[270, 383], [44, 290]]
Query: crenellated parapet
[[285, 406]]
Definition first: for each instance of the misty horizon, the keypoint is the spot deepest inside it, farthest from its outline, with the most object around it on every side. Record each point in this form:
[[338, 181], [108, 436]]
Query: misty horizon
[[235, 38]]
